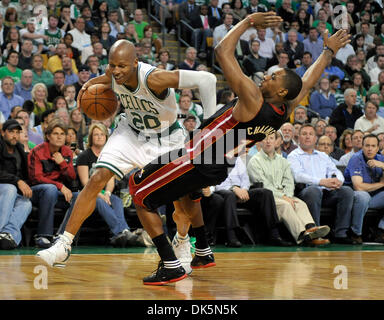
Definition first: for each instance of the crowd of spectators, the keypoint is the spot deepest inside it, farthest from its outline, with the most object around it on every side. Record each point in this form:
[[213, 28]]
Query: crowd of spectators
[[50, 48]]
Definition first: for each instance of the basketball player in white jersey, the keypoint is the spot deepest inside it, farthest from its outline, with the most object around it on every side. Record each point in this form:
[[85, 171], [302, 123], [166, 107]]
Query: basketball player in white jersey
[[148, 129]]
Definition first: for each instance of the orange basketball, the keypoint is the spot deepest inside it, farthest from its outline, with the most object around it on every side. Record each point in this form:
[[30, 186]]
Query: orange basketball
[[99, 102]]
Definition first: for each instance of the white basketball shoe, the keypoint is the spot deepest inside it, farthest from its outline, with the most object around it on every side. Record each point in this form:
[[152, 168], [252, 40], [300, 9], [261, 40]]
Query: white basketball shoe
[[58, 254], [182, 249]]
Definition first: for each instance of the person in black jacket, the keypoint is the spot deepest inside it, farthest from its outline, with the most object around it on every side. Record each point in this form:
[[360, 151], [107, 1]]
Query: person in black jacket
[[346, 114], [15, 193]]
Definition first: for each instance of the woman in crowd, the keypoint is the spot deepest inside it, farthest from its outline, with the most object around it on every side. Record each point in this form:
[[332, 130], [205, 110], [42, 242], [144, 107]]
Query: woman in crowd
[[12, 41], [153, 39], [77, 121], [11, 18], [39, 98], [105, 38], [59, 102], [164, 60], [72, 52], [238, 10], [346, 140]]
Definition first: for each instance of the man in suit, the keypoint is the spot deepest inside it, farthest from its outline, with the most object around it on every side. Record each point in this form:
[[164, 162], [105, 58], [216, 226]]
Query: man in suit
[[203, 26], [254, 6], [187, 11], [215, 11]]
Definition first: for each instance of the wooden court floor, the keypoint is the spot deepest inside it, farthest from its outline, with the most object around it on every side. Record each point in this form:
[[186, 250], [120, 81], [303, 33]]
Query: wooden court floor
[[238, 275]]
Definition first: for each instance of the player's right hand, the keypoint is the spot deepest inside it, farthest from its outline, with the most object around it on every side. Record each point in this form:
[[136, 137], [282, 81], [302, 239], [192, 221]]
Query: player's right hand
[[338, 40], [263, 20]]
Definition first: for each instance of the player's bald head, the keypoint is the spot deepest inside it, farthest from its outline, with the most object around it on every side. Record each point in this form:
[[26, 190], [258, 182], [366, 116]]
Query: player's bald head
[[123, 47]]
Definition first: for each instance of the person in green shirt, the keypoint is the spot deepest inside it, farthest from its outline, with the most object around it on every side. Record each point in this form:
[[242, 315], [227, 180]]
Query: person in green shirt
[[11, 69], [40, 75], [139, 23], [323, 17]]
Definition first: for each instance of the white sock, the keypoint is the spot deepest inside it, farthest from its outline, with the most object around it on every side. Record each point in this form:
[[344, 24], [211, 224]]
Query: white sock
[[70, 236], [180, 238]]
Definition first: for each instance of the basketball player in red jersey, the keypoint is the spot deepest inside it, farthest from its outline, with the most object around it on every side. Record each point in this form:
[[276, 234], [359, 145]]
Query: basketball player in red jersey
[[257, 112]]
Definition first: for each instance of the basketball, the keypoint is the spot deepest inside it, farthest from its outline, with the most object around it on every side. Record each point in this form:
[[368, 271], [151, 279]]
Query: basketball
[[98, 102]]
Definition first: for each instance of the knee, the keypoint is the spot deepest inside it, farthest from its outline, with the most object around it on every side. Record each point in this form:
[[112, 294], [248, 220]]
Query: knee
[[361, 197], [346, 193], [50, 190], [9, 191], [99, 179], [313, 193]]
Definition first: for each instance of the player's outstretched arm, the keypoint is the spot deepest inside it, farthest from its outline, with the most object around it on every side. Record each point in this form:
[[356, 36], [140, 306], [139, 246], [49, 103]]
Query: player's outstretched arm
[[313, 74], [161, 80], [249, 94]]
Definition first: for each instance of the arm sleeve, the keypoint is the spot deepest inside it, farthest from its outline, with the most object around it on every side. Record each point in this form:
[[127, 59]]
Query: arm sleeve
[[206, 82]]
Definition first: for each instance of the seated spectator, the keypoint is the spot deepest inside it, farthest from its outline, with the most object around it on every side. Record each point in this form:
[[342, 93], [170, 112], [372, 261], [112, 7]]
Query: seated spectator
[[53, 33], [286, 12], [253, 62], [93, 64], [323, 183], [11, 69], [357, 79], [147, 53], [113, 20], [346, 114], [71, 142], [357, 144], [81, 39], [65, 22], [77, 121], [15, 193], [306, 62], [203, 25], [63, 115], [353, 66], [322, 100], [370, 122], [267, 45], [56, 89], [320, 127], [55, 62], [256, 6], [313, 43], [23, 88], [344, 53], [372, 61], [12, 41], [131, 34], [287, 132], [186, 107], [30, 32], [300, 115], [69, 95], [45, 118], [221, 30], [8, 98], [365, 173], [139, 23], [238, 10], [322, 16], [40, 99], [294, 49], [236, 192], [71, 51], [189, 62], [326, 145], [51, 173], [274, 172], [164, 59], [374, 73], [25, 55], [39, 74], [84, 75], [70, 75], [283, 59], [332, 70], [296, 127], [345, 143], [33, 135], [154, 40], [305, 20], [330, 131], [190, 122]]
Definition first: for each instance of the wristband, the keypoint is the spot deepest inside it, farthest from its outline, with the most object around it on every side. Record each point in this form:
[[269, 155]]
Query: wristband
[[107, 193], [328, 48]]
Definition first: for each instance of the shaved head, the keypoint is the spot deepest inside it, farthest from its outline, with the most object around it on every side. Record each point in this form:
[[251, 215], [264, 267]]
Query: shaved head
[[123, 47]]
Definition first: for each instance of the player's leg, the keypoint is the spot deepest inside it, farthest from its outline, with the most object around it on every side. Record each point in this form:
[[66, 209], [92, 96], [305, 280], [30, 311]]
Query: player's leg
[[203, 255], [181, 241], [170, 269], [84, 206]]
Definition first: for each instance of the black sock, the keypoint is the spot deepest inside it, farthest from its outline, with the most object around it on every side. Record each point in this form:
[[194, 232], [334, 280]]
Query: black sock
[[309, 226], [201, 238], [165, 250]]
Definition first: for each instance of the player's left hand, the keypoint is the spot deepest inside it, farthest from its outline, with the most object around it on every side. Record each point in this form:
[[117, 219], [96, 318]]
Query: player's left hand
[[338, 40], [263, 20]]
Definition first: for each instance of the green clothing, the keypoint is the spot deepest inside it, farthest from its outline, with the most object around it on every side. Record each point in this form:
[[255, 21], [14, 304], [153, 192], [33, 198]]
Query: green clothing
[[275, 173], [374, 89], [38, 111], [139, 27], [328, 26], [46, 78], [5, 72]]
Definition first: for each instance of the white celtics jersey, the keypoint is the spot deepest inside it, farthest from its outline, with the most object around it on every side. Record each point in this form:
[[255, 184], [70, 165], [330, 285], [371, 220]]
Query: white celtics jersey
[[145, 112]]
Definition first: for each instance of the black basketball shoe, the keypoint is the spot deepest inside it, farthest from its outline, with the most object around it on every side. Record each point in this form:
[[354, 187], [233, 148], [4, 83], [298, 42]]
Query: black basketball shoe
[[203, 261], [165, 275]]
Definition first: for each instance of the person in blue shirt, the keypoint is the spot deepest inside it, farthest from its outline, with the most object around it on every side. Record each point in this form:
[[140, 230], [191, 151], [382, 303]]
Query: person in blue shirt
[[365, 174], [323, 100], [306, 62], [8, 98], [323, 183], [23, 88]]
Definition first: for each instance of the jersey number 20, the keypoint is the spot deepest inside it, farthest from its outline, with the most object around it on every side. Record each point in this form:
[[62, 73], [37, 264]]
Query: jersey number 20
[[146, 122]]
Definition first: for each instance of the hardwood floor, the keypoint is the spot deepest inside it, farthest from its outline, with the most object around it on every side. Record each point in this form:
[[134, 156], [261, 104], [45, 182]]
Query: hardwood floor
[[238, 275]]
